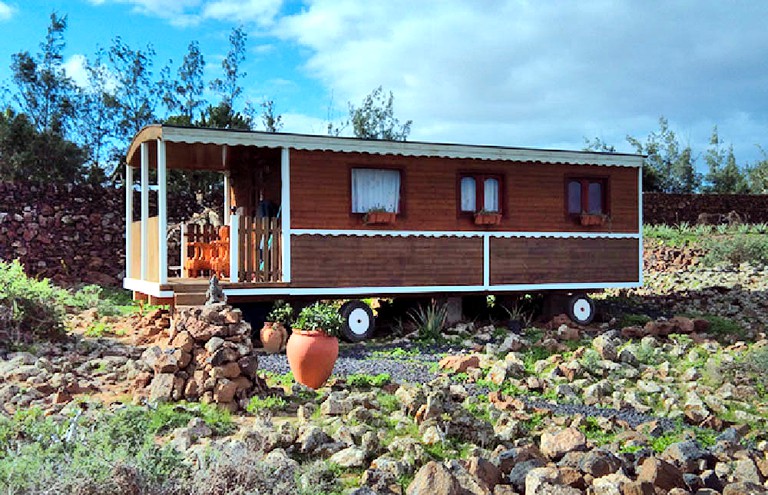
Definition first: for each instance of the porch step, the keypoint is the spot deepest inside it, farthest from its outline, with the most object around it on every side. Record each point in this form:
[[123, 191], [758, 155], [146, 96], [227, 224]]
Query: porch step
[[196, 288], [189, 299]]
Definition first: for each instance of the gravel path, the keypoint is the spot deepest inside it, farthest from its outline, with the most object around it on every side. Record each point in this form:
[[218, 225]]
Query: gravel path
[[411, 364]]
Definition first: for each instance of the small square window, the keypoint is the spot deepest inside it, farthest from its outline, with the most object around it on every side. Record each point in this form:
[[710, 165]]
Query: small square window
[[480, 192], [586, 196], [375, 190]]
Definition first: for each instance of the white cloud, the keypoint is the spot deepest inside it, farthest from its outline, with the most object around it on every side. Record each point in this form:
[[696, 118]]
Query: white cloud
[[74, 66], [261, 12], [6, 11], [544, 74], [192, 12]]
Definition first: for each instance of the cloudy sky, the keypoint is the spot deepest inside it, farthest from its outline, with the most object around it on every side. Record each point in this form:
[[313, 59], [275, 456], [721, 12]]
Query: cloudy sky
[[519, 73]]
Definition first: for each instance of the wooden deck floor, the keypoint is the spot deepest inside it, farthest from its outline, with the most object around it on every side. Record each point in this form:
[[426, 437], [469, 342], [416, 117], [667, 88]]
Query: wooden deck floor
[[200, 284]]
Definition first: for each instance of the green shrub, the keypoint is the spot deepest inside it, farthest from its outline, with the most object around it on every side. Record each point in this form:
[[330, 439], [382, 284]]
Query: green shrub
[[368, 381], [751, 367], [320, 317], [737, 249], [429, 320], [633, 320], [29, 308]]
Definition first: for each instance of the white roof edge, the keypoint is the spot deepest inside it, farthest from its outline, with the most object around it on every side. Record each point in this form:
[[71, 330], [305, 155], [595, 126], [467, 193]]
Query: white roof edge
[[405, 148]]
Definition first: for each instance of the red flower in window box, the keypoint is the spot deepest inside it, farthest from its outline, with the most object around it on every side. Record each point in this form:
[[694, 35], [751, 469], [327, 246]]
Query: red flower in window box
[[591, 219], [379, 217], [487, 218]]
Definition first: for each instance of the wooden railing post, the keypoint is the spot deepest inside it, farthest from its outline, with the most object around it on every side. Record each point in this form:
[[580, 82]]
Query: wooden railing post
[[234, 248], [183, 248]]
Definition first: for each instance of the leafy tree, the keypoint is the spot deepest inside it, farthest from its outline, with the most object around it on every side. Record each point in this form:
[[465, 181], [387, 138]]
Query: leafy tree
[[375, 118], [599, 145], [757, 175], [45, 93], [223, 115], [135, 98], [96, 116], [28, 154], [668, 167], [184, 94], [272, 122], [724, 175]]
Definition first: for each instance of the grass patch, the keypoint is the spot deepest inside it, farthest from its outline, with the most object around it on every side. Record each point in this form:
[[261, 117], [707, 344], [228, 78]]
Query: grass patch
[[365, 380], [737, 249], [269, 403]]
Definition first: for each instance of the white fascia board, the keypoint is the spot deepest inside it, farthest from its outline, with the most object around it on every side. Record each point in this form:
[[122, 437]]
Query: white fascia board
[[462, 233], [404, 148], [148, 288], [349, 291]]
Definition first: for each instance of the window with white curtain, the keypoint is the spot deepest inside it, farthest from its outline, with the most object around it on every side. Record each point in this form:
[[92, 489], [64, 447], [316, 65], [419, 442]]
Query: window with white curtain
[[480, 192], [375, 189], [468, 194]]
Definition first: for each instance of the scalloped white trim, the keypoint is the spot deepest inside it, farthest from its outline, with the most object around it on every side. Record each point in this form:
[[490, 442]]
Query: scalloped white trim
[[464, 233]]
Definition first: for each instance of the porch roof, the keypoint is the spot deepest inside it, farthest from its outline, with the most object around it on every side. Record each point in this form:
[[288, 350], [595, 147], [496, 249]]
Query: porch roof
[[201, 148]]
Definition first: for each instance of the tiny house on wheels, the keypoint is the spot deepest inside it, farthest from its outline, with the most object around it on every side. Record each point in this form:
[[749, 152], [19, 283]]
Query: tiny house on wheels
[[330, 217]]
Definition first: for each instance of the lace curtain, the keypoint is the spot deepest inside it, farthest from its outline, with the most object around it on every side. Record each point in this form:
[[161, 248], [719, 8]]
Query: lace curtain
[[375, 188]]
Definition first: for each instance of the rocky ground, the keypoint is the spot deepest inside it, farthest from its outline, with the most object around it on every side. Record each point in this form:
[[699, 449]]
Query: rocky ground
[[632, 405]]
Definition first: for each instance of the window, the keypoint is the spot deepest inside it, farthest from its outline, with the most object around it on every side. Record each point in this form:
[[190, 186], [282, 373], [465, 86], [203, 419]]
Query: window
[[480, 192], [586, 195], [375, 189]]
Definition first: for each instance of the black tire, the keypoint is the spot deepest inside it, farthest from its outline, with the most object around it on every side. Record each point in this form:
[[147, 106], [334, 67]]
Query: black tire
[[581, 309], [359, 322]]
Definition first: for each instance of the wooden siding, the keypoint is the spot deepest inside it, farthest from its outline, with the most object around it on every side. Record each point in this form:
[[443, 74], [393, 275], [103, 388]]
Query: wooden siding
[[534, 193], [152, 254], [574, 260], [352, 261]]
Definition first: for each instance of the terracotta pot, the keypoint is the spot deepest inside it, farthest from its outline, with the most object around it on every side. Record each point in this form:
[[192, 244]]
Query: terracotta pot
[[589, 220], [311, 356], [379, 218], [273, 336], [487, 218]]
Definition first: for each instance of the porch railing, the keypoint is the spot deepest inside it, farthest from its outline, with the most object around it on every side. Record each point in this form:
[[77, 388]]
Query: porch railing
[[259, 249]]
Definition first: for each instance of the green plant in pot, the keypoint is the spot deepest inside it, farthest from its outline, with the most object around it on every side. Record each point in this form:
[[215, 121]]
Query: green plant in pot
[[313, 346], [274, 333]]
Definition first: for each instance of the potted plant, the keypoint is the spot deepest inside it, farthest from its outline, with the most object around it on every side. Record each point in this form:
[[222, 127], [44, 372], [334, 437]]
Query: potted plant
[[313, 346], [486, 217], [379, 216], [274, 333], [590, 219]]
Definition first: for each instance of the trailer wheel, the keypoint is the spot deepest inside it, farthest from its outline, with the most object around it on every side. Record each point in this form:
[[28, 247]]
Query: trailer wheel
[[581, 309], [358, 321]]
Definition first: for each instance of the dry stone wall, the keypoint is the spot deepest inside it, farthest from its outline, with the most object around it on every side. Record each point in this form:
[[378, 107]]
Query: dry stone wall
[[672, 209], [73, 234]]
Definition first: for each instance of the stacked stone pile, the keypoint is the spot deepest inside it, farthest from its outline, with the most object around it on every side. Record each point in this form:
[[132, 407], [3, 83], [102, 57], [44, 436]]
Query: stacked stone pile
[[658, 257], [205, 355]]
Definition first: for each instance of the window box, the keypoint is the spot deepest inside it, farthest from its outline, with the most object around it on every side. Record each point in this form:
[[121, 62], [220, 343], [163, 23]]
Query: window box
[[379, 218], [487, 218], [588, 220]]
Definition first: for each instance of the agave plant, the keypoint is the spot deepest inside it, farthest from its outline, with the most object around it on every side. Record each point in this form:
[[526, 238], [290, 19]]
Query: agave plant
[[429, 320]]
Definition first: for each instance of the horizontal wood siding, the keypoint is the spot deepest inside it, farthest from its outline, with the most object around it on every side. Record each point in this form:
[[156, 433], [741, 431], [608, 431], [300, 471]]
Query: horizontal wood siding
[[574, 260], [534, 193], [353, 261]]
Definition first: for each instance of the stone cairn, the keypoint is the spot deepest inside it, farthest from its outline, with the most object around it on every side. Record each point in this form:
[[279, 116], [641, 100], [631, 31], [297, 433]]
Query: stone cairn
[[205, 355]]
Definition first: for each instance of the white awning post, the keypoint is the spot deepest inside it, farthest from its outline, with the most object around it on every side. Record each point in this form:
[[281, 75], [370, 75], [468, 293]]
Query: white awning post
[[285, 211], [226, 198], [144, 211], [128, 218], [183, 249], [234, 248], [162, 213]]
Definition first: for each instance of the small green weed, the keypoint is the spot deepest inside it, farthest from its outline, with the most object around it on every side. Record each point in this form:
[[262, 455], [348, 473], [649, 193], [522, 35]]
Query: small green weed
[[367, 381], [268, 403], [97, 329]]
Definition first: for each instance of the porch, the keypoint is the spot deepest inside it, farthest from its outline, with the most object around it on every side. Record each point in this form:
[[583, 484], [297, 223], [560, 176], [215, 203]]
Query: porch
[[244, 245]]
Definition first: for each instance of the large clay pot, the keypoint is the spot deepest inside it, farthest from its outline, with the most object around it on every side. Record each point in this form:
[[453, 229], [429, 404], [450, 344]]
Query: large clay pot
[[273, 337], [311, 356]]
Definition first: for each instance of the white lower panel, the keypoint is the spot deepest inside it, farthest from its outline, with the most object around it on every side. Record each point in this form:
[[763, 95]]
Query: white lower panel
[[149, 288], [350, 291]]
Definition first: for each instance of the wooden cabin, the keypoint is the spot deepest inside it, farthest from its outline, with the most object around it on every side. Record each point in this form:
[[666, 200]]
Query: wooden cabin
[[333, 217]]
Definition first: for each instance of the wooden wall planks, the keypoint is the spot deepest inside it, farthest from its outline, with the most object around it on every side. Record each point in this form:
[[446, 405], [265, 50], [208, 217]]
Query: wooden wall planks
[[574, 260], [358, 261], [534, 193]]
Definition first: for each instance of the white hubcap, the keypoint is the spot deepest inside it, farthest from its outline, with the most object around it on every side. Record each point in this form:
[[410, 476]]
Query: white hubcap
[[582, 310], [359, 321]]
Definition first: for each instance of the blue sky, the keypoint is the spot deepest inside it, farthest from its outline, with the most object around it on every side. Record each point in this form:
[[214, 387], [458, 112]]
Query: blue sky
[[518, 73]]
